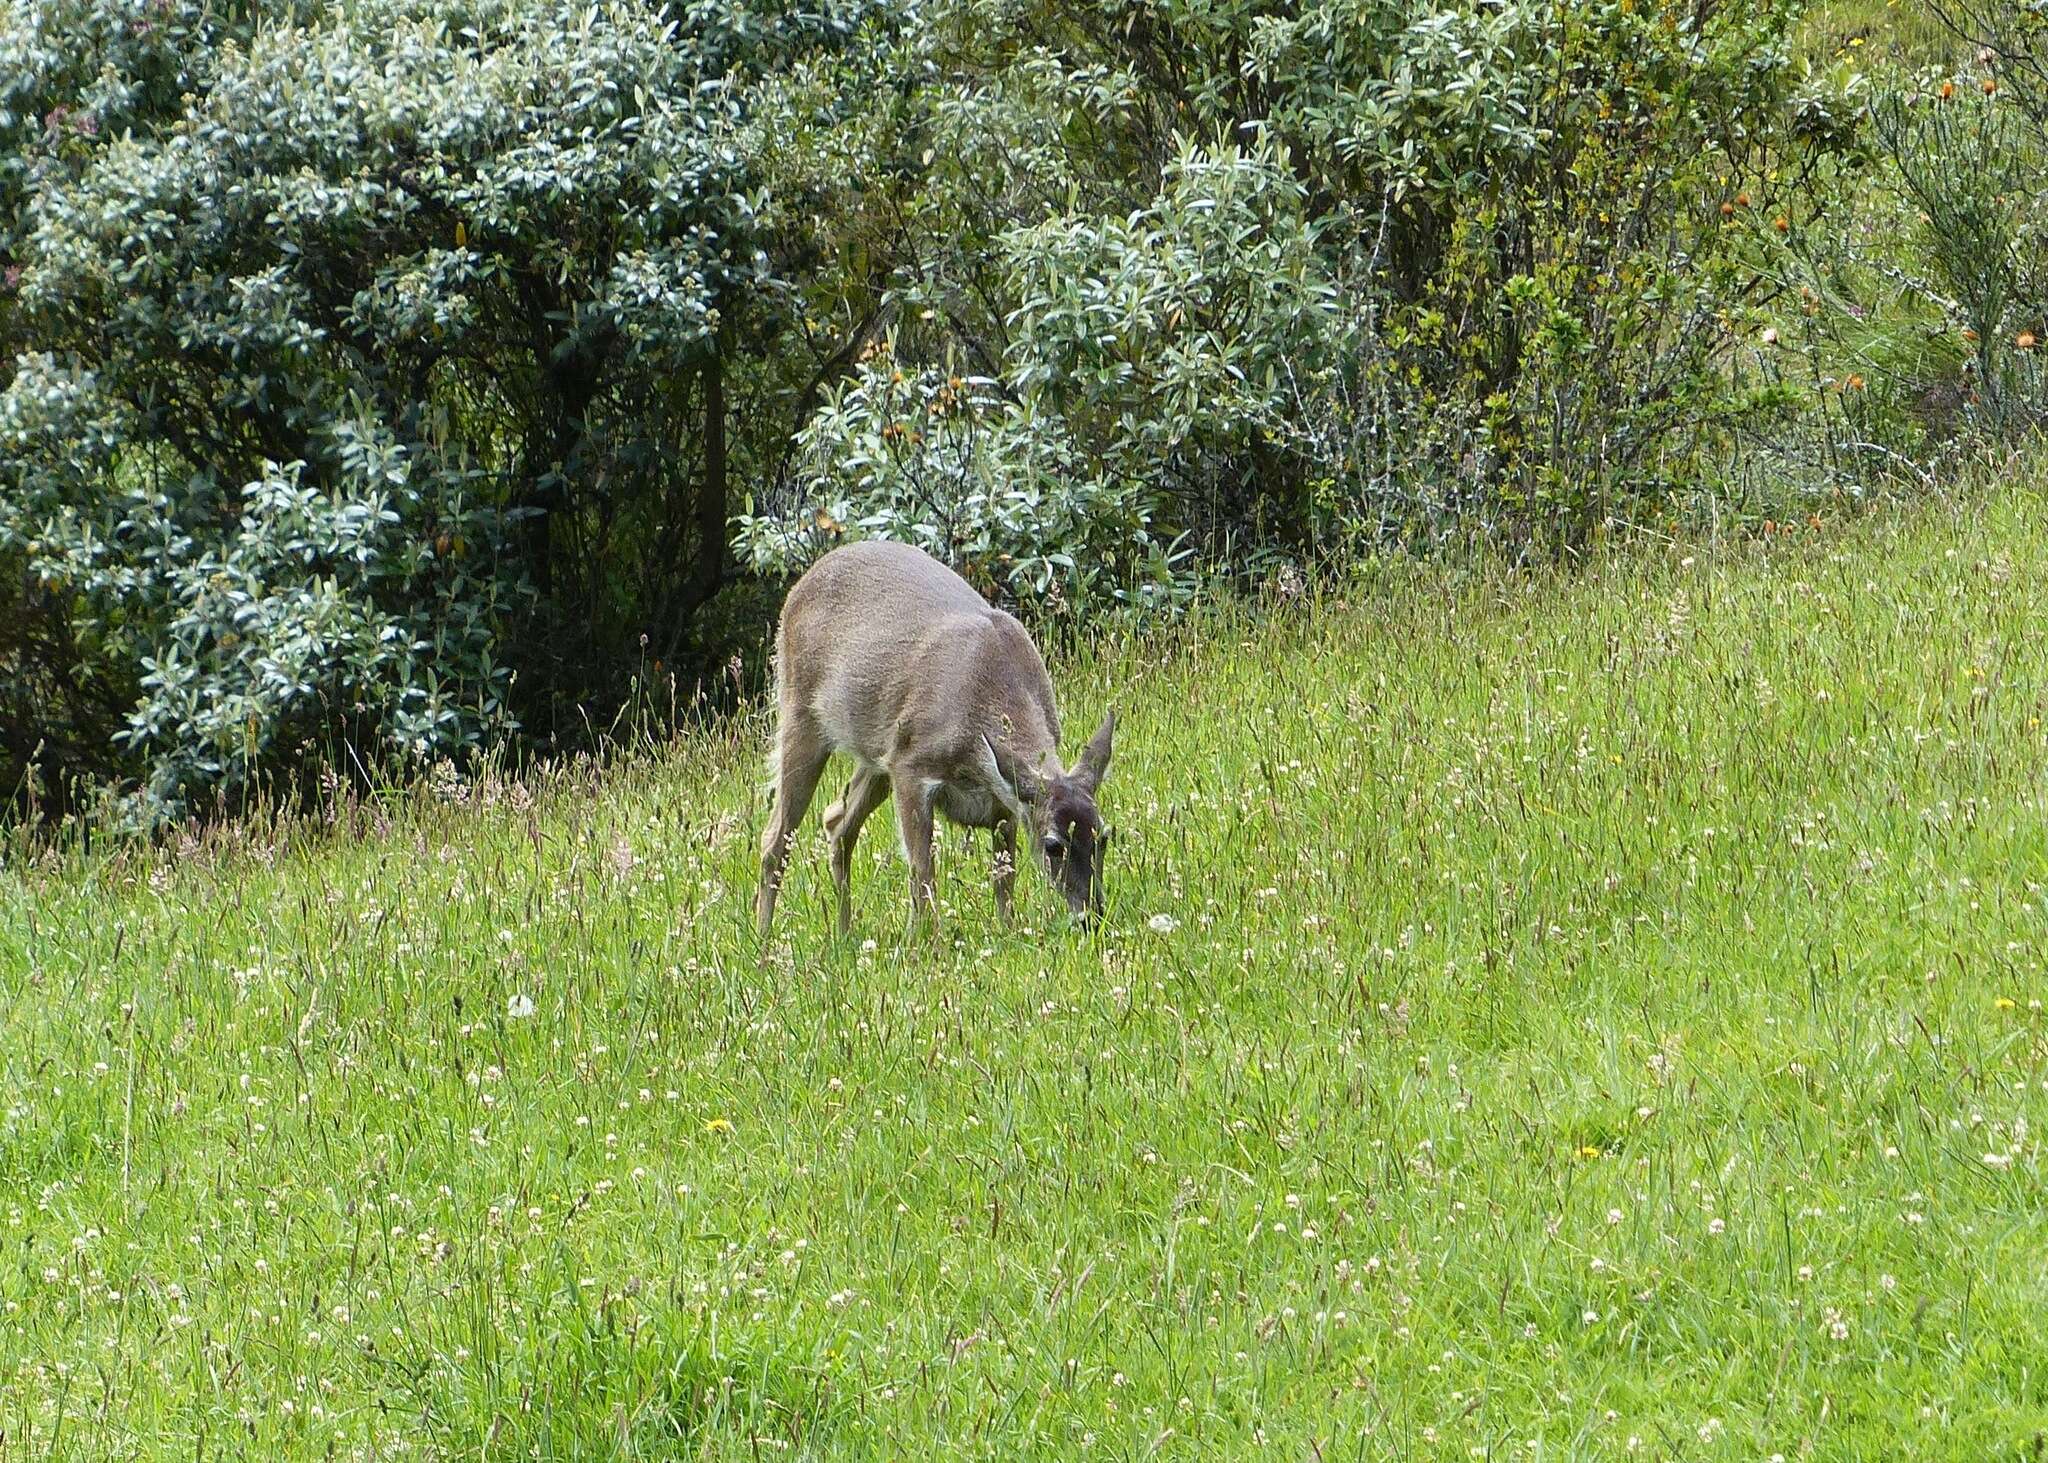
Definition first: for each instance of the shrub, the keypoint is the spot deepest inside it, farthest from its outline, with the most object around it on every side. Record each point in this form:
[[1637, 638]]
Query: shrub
[[1965, 154], [1172, 340], [387, 375], [1453, 260], [1920, 314], [1143, 353], [387, 389], [983, 482], [1548, 210]]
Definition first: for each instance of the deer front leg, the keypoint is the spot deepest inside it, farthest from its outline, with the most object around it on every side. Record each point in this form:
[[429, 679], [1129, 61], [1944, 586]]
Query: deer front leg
[[1005, 865], [914, 821]]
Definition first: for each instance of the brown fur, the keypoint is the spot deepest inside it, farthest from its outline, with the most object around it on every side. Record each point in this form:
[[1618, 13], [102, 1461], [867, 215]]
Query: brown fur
[[942, 702]]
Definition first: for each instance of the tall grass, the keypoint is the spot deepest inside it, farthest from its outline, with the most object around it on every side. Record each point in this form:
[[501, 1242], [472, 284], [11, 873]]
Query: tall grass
[[1869, 30], [1583, 1017]]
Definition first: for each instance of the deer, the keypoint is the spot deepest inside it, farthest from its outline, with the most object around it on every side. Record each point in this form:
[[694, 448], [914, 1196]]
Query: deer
[[942, 701]]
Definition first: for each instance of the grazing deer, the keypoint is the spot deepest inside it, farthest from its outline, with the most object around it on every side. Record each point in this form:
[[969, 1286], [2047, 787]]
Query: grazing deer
[[886, 654]]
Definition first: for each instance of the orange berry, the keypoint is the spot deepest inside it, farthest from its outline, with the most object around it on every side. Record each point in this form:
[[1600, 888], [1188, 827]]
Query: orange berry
[[1948, 90], [1742, 200], [1782, 224], [1990, 85], [2025, 340], [1727, 210]]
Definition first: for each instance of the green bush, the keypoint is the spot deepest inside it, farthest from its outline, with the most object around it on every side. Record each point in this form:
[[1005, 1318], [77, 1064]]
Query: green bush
[[1449, 262], [1913, 320], [385, 391], [386, 381], [1143, 351], [985, 483], [1965, 154]]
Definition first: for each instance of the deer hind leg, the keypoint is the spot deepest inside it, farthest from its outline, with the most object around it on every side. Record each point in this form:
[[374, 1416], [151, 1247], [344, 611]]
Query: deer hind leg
[[800, 756], [914, 821], [843, 820], [1005, 864]]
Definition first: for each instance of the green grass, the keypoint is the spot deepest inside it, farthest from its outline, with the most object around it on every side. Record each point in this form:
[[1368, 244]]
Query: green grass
[[1871, 30], [1590, 1017]]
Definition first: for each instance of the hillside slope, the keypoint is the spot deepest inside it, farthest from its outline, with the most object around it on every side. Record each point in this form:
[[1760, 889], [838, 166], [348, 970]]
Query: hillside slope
[[1596, 1018]]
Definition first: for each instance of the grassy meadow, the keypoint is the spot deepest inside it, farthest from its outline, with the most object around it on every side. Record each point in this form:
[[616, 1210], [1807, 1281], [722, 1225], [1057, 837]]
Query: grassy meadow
[[1541, 1017]]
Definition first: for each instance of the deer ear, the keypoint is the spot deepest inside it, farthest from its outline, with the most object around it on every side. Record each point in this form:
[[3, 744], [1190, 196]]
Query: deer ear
[[1028, 786], [1094, 763]]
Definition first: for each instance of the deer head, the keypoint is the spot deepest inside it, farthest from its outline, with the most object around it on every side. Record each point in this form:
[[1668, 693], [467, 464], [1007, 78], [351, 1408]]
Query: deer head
[[1065, 825]]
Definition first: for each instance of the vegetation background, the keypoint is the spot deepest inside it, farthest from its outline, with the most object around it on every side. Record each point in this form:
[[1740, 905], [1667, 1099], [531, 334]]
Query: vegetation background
[[390, 384], [1549, 487]]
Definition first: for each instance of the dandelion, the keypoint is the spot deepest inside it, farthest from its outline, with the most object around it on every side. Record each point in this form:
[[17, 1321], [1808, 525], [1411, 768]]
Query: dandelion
[[519, 1007], [1717, 1226], [1587, 1150], [2005, 1003], [719, 1125]]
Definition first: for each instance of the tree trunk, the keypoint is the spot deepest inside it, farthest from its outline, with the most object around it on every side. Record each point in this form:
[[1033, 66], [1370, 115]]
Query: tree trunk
[[706, 570]]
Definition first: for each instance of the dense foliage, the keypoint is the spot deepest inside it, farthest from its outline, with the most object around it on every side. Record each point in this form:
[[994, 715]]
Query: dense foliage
[[384, 382], [395, 363]]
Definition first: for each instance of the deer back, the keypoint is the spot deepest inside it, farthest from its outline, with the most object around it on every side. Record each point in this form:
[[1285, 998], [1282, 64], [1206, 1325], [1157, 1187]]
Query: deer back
[[900, 662]]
